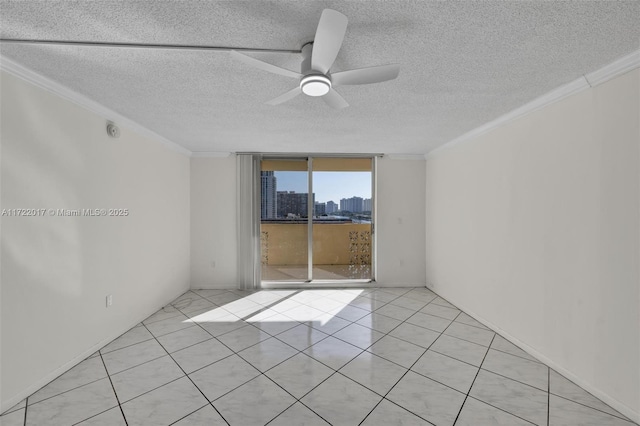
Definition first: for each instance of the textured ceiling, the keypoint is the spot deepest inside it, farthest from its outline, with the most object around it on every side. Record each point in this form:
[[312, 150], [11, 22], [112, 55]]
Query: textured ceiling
[[462, 64]]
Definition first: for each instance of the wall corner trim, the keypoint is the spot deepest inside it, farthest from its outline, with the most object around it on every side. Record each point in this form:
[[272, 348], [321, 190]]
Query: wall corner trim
[[68, 94], [595, 78]]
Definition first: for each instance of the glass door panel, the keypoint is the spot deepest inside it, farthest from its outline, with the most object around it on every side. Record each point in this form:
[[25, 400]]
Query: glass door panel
[[284, 220], [342, 218]]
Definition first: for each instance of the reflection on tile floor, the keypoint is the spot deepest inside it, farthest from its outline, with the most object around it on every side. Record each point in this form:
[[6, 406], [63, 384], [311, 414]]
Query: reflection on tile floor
[[376, 356]]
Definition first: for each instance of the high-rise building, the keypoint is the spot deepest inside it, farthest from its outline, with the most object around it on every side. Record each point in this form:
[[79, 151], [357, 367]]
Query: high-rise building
[[331, 207], [353, 204], [320, 208], [291, 202], [366, 205], [268, 199]]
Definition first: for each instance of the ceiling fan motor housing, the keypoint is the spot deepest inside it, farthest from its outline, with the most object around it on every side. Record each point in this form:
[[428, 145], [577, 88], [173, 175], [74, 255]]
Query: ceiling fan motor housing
[[305, 66], [313, 83]]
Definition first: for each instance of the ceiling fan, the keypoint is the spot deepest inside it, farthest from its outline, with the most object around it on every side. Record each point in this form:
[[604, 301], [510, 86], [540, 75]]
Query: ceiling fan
[[315, 76]]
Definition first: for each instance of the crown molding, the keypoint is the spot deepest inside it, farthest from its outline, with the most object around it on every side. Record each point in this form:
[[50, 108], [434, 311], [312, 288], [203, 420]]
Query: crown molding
[[210, 154], [404, 156], [614, 69], [64, 92], [555, 95], [604, 74]]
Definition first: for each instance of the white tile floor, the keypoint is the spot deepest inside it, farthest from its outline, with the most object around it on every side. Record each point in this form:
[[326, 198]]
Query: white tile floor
[[311, 357]]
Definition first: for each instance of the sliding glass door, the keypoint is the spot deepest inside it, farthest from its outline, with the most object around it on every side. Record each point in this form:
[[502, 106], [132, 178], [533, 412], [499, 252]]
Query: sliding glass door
[[325, 236], [284, 219], [342, 220]]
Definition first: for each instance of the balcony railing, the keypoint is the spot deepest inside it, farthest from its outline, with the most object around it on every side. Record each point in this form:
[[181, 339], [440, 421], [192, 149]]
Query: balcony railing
[[342, 248]]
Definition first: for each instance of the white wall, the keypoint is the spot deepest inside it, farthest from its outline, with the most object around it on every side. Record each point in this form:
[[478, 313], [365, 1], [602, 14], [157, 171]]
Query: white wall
[[57, 271], [401, 245], [213, 223], [400, 222], [534, 228]]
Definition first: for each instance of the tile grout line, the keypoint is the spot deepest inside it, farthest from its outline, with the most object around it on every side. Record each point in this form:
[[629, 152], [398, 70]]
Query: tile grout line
[[99, 353], [128, 346], [263, 373], [192, 382], [365, 350], [114, 391], [129, 368], [548, 394], [517, 356], [26, 406], [619, 416], [297, 400], [66, 391], [513, 380], [348, 322], [499, 409], [490, 404], [478, 372], [473, 382], [233, 352], [335, 371], [108, 375], [384, 397], [448, 356]]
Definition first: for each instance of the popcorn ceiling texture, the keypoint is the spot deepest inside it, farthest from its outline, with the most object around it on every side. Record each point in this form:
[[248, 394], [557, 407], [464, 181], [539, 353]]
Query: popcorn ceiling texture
[[462, 64]]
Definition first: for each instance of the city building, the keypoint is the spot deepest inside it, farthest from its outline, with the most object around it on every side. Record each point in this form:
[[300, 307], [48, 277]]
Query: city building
[[366, 205], [292, 203], [320, 208], [331, 207], [353, 204], [268, 199]]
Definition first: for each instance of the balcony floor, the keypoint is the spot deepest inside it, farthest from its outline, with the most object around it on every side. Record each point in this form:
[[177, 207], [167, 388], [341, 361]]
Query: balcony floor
[[374, 356], [320, 272]]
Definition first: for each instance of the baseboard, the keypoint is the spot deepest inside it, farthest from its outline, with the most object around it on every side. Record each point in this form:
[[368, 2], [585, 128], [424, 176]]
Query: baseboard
[[9, 403], [613, 403]]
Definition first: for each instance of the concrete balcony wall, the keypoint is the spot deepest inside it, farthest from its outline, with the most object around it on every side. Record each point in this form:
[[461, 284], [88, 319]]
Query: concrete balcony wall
[[333, 244]]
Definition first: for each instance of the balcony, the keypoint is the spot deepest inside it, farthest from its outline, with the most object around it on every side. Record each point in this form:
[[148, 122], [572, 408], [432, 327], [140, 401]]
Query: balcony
[[340, 251]]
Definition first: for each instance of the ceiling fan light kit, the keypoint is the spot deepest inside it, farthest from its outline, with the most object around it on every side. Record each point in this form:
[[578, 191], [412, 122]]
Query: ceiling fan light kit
[[315, 85], [317, 59]]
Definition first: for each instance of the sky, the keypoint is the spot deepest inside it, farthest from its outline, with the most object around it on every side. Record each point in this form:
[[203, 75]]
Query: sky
[[328, 186]]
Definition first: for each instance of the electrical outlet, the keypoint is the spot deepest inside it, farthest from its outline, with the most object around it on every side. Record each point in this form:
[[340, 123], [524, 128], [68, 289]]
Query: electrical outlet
[[109, 300]]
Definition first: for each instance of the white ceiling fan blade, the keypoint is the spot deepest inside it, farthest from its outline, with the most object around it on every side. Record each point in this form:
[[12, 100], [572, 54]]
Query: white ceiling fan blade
[[265, 66], [285, 97], [366, 75], [335, 100], [328, 40]]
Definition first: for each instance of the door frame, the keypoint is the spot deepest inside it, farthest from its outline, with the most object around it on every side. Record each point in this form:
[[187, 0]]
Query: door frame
[[310, 282]]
